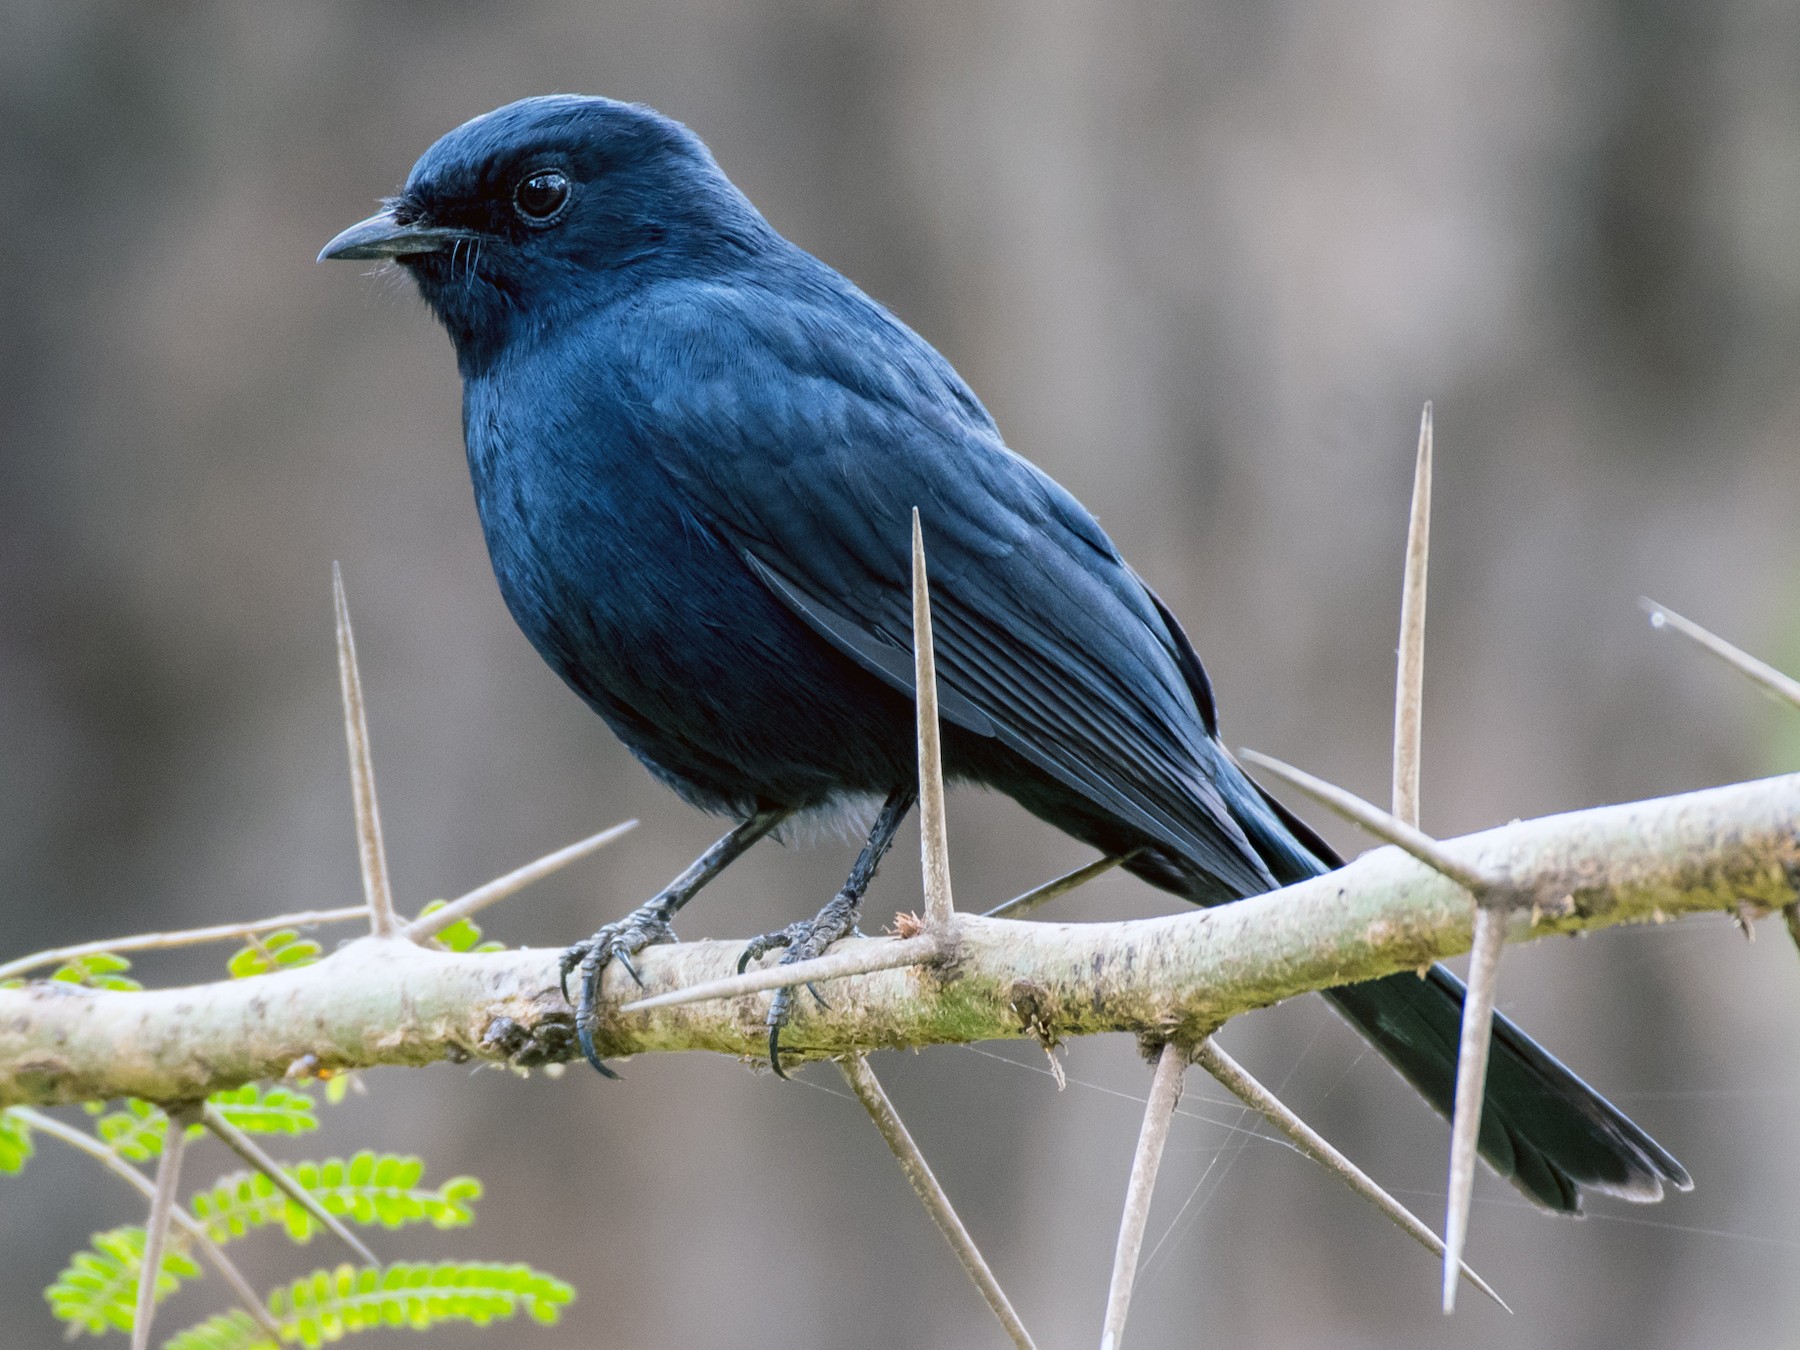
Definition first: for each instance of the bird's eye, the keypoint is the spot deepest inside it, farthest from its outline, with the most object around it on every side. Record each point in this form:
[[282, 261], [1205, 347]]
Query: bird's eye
[[541, 197]]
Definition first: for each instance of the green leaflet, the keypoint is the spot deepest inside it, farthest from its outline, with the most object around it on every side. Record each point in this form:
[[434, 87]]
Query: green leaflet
[[369, 1188], [97, 1291], [462, 936], [15, 1141], [330, 1304], [136, 1132], [102, 970], [281, 950]]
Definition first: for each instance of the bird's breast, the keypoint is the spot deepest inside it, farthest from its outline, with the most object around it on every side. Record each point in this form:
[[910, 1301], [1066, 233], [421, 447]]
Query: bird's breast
[[633, 596]]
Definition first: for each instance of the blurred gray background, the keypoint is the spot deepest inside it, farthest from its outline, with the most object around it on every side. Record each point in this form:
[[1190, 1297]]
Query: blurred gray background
[[1204, 261]]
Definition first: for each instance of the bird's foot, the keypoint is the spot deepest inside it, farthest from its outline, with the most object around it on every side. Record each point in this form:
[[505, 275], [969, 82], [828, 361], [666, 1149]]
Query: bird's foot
[[619, 941], [803, 941]]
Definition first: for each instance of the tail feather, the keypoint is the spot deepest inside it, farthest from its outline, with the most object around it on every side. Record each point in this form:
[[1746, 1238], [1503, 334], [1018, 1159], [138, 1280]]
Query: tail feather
[[1542, 1127]]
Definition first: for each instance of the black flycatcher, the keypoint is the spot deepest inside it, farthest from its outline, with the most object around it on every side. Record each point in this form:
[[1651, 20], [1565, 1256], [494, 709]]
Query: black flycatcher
[[696, 450]]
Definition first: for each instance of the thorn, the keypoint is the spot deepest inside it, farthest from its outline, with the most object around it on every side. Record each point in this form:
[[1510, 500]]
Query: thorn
[[512, 883], [383, 922], [1237, 1080], [1021, 905], [875, 1101], [156, 1228], [1471, 1084], [862, 958], [933, 827], [1409, 680], [1376, 821], [1159, 1111], [1778, 685], [186, 937], [251, 1152]]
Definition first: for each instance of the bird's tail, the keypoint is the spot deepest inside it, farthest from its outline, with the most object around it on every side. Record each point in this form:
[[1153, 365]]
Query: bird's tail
[[1542, 1128]]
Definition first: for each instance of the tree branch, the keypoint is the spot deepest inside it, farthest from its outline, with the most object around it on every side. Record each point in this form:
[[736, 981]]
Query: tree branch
[[388, 1001]]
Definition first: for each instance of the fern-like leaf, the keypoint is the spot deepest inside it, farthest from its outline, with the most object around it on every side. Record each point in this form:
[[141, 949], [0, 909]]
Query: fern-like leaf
[[266, 1111], [137, 1132], [97, 1291], [369, 1188], [331, 1304], [15, 1141]]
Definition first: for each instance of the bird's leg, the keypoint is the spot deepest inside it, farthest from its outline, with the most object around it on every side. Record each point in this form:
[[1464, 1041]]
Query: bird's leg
[[811, 937], [648, 924]]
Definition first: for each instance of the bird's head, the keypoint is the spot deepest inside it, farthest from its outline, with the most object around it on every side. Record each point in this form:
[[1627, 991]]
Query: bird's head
[[548, 206]]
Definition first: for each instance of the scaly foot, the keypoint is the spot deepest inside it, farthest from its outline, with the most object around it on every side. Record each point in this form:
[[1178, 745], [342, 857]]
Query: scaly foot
[[619, 942], [803, 941]]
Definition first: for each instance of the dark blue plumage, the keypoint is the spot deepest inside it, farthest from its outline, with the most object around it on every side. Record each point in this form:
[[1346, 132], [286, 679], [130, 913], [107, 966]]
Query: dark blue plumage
[[696, 450]]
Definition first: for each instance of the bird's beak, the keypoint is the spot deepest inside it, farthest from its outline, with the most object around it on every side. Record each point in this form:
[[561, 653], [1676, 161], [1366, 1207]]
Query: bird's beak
[[382, 236]]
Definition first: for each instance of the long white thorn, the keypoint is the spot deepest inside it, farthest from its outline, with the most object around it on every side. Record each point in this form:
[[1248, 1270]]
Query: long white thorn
[[377, 893], [875, 1101], [1409, 678], [251, 1152], [1021, 905], [1782, 687], [1471, 1085], [427, 925], [1159, 1111], [1238, 1081], [934, 834], [856, 958], [1376, 821], [185, 937], [156, 1228]]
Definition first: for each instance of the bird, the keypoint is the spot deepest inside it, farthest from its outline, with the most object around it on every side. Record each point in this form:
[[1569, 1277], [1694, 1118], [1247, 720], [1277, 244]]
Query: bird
[[696, 450]]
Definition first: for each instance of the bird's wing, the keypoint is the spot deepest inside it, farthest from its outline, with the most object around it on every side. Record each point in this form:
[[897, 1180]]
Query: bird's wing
[[807, 430]]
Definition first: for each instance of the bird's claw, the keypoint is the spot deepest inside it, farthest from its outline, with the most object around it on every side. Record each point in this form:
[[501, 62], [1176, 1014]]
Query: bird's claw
[[619, 942], [804, 941]]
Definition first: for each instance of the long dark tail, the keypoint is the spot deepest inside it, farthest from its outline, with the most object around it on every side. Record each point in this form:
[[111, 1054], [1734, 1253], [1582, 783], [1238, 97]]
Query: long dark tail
[[1542, 1128]]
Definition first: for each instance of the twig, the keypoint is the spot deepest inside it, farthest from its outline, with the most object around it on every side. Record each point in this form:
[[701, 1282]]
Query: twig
[[251, 1152], [862, 958], [372, 1002], [934, 840], [1409, 679], [156, 1228], [1471, 1084], [1376, 821], [427, 925], [187, 937], [1021, 905], [383, 921], [196, 1232], [1774, 682], [1159, 1110], [874, 1099], [1238, 1081]]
